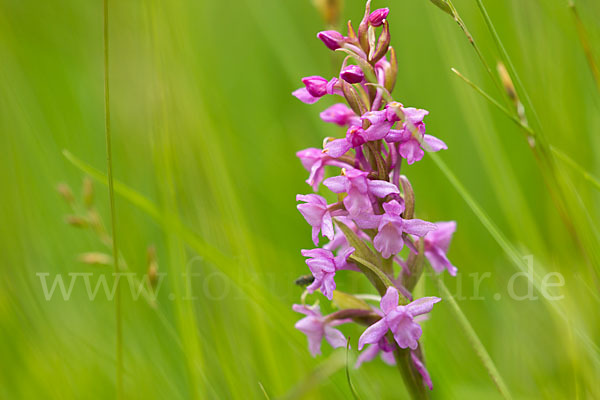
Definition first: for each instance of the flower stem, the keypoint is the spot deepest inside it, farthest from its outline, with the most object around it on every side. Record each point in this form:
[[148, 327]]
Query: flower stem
[[412, 379]]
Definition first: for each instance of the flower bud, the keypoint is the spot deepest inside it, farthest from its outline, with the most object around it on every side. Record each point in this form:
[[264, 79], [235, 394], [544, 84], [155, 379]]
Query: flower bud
[[392, 72], [352, 98], [378, 16], [363, 28], [338, 114], [316, 85], [409, 198], [332, 39], [382, 44], [352, 74]]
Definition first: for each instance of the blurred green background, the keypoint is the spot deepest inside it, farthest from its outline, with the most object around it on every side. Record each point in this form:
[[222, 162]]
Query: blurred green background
[[205, 128]]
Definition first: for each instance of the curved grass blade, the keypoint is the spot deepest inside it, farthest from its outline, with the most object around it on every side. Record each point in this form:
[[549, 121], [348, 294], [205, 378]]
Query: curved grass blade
[[558, 153], [264, 392], [113, 218], [479, 348], [515, 257], [585, 43], [352, 388]]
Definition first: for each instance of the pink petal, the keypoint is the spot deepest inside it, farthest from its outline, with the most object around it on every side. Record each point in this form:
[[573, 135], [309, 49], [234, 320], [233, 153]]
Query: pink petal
[[306, 310], [357, 203], [309, 156], [373, 333], [337, 184], [414, 115], [315, 177], [367, 221], [313, 213], [317, 253], [313, 329], [382, 188], [340, 260], [335, 337], [420, 367], [388, 241], [442, 236], [393, 208], [337, 148], [328, 285], [367, 355], [305, 97], [411, 151], [417, 227], [422, 305], [388, 357], [407, 334], [434, 144], [390, 300], [378, 131], [439, 261]]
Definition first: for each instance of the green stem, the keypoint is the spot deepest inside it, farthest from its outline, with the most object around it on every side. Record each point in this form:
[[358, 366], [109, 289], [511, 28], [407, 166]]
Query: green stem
[[412, 378], [119, 319]]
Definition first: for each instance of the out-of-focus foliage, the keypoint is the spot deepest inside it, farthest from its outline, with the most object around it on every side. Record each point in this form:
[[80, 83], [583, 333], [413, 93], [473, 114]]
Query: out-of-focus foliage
[[204, 127]]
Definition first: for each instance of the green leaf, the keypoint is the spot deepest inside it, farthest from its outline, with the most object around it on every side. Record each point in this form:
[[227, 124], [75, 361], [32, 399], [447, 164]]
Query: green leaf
[[366, 260], [347, 301]]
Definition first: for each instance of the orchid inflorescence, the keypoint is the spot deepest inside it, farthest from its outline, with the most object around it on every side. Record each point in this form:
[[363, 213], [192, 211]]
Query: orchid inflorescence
[[373, 218]]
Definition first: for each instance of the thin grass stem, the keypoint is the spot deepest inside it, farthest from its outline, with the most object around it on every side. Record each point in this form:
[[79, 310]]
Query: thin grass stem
[[474, 340], [557, 152], [585, 44], [109, 164]]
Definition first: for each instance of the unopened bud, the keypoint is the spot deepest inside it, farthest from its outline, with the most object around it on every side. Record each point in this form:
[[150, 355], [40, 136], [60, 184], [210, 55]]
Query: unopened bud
[[316, 85], [409, 198], [65, 191], [88, 192], [332, 39], [378, 16], [352, 74], [352, 98], [383, 43], [391, 73], [364, 27]]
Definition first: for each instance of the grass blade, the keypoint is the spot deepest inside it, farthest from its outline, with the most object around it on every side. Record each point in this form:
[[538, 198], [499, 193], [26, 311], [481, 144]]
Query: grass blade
[[557, 152], [113, 219], [479, 348], [352, 388], [585, 43], [515, 257]]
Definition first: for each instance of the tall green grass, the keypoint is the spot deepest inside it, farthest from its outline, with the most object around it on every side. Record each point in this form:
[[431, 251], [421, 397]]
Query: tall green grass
[[204, 132]]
